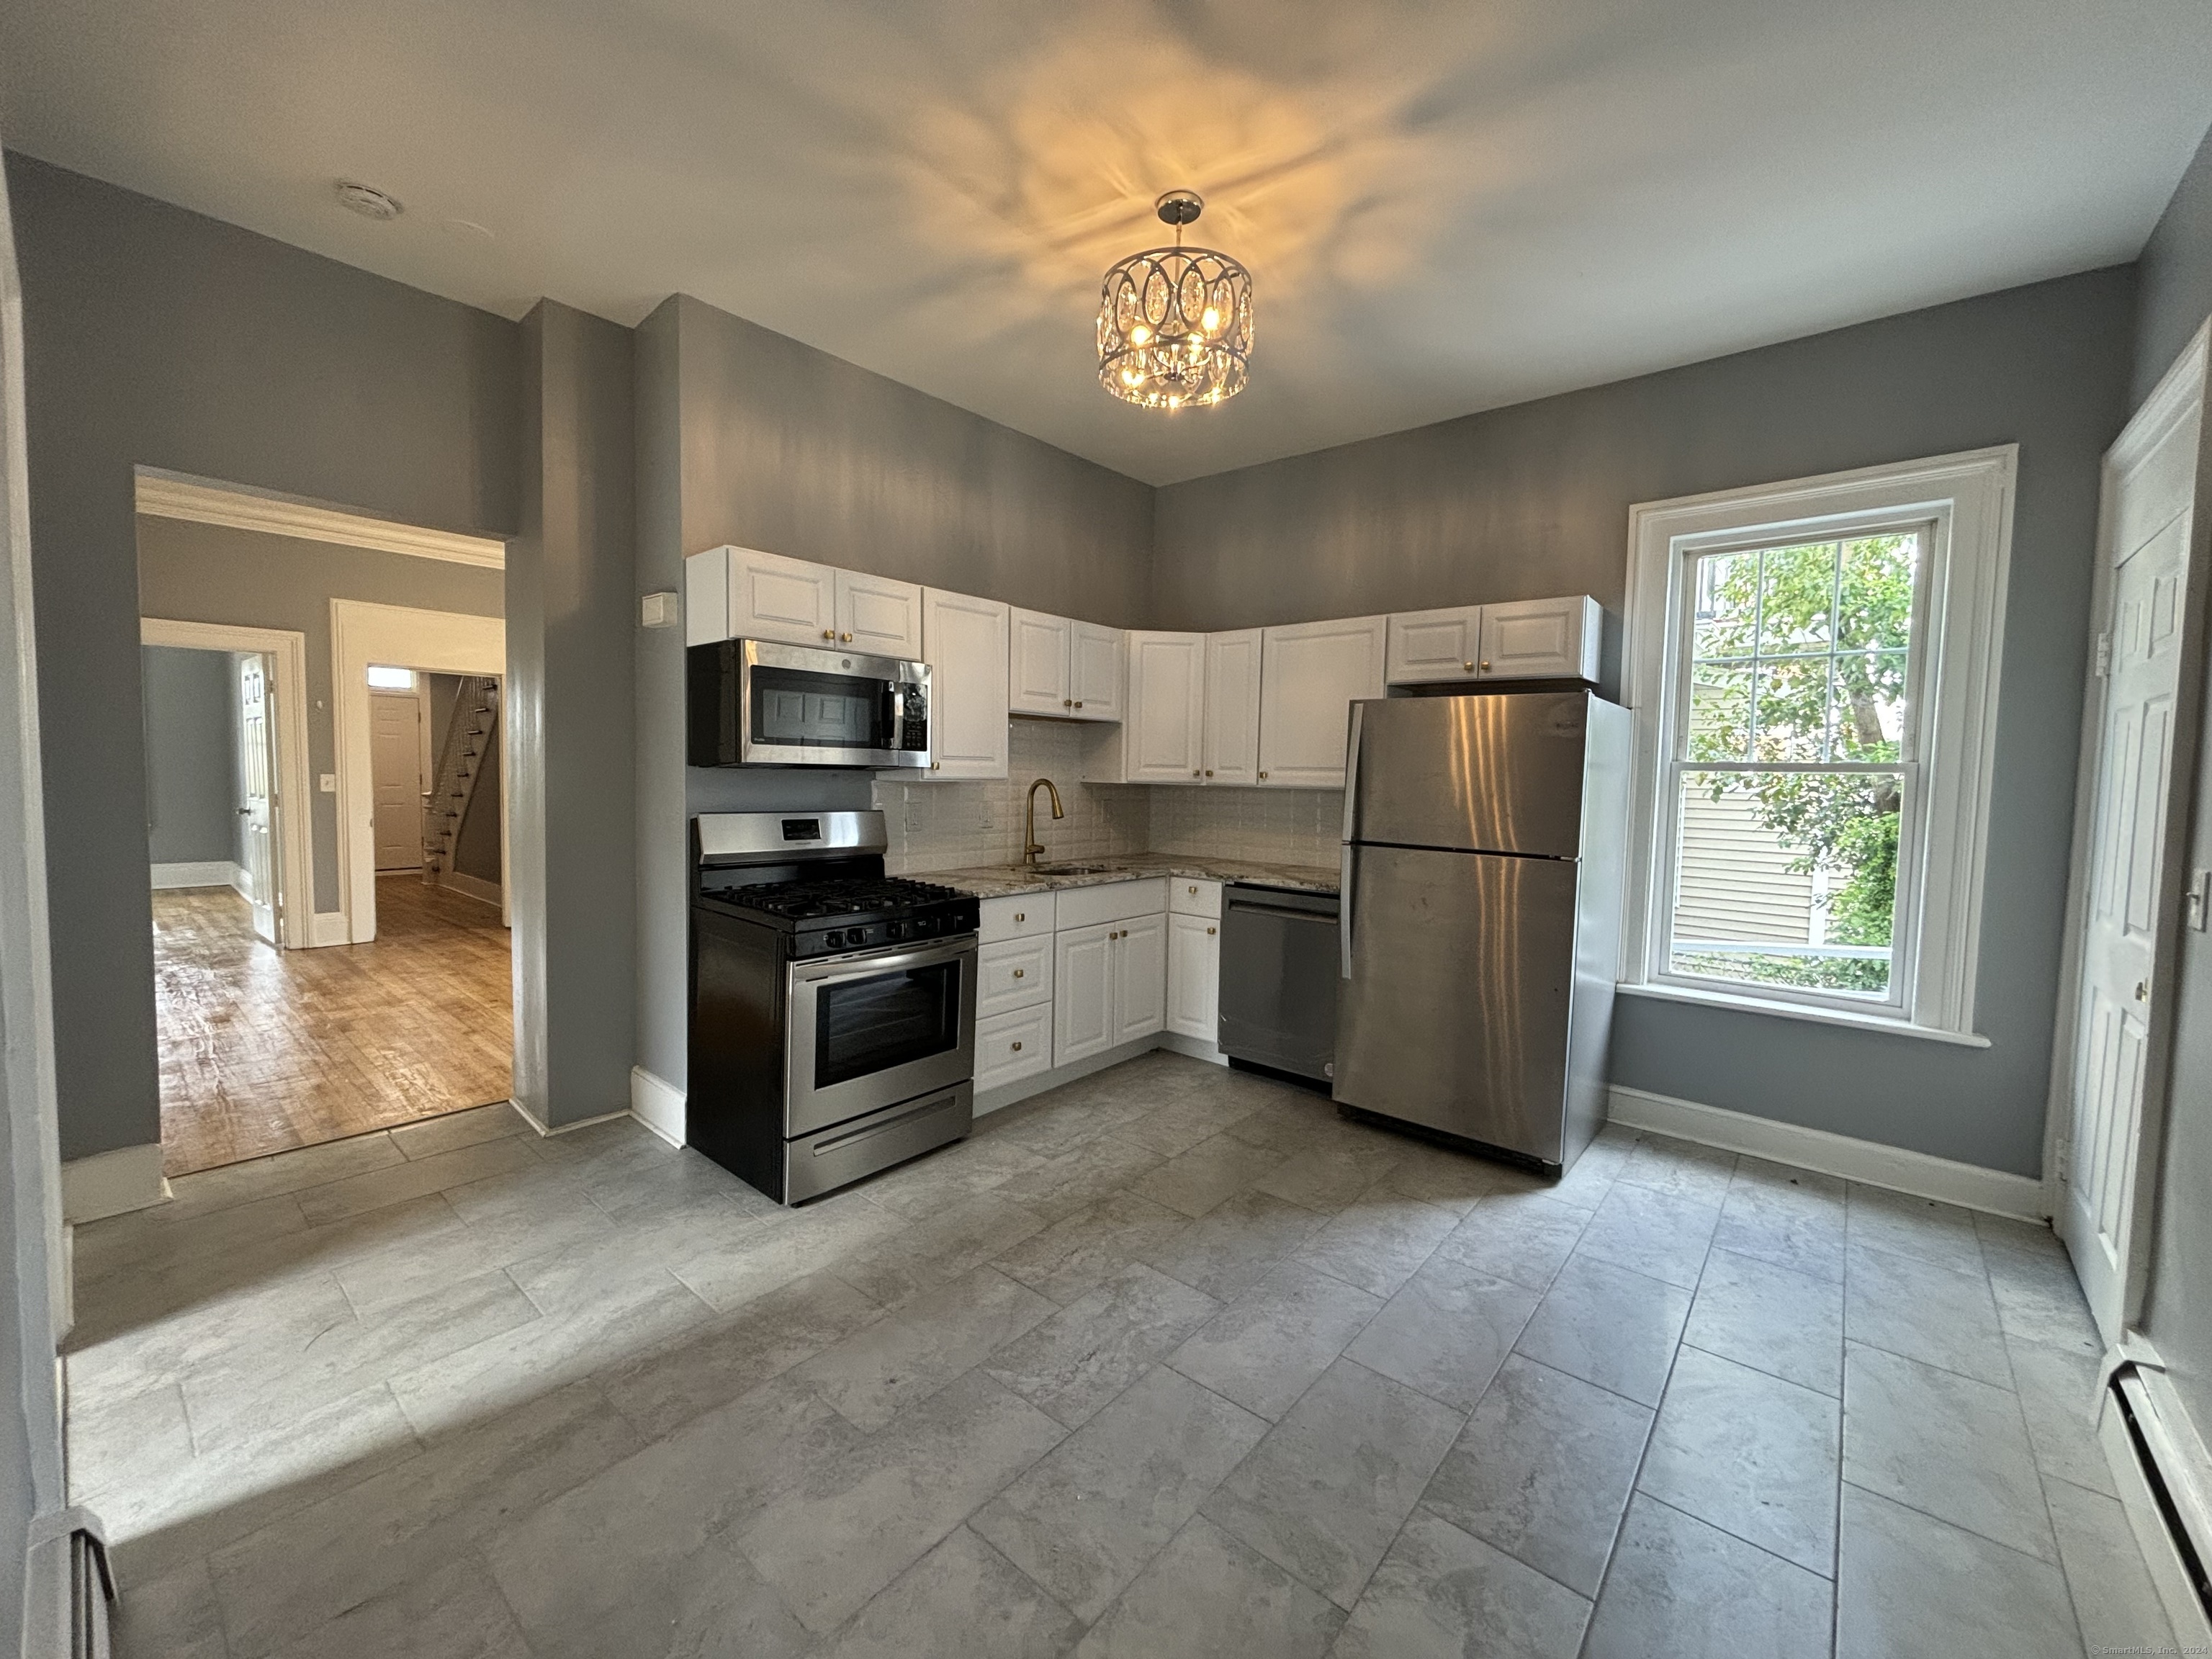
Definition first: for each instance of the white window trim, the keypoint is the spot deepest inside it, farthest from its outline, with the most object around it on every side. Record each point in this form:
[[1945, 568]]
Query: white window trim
[[1970, 496]]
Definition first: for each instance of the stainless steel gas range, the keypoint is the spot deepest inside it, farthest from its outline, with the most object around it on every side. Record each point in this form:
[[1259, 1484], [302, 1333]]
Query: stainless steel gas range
[[833, 1008]]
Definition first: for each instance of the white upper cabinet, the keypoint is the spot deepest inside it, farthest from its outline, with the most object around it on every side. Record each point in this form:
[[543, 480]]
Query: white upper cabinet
[[1232, 745], [1162, 732], [740, 593], [1037, 669], [1310, 674], [878, 616], [1096, 672], [1427, 646], [964, 640], [1540, 639]]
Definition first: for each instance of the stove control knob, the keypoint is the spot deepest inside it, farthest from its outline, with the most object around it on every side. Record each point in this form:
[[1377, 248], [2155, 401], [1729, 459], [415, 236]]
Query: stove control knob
[[894, 929], [833, 940], [856, 935]]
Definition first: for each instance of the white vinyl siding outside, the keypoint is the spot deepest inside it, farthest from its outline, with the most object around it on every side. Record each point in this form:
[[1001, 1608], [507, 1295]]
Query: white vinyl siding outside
[[1736, 883]]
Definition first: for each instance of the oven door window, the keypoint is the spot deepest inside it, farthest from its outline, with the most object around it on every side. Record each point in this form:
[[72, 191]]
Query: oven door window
[[797, 708], [863, 1026]]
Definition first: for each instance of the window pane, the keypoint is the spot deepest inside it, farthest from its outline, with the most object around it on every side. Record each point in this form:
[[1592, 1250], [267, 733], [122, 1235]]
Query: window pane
[[1720, 711], [1728, 605], [1869, 705], [1787, 878], [390, 679], [1878, 574], [1797, 599], [1793, 709]]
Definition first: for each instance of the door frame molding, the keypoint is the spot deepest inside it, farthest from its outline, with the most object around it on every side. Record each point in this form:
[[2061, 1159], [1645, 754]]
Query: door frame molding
[[296, 856], [2183, 387], [441, 641]]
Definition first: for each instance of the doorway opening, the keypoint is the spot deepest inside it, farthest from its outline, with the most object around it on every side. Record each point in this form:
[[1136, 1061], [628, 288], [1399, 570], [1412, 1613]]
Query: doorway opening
[[327, 835]]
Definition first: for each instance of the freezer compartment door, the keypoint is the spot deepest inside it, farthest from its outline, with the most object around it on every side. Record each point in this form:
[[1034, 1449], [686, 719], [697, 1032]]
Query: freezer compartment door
[[1495, 774], [1455, 1012]]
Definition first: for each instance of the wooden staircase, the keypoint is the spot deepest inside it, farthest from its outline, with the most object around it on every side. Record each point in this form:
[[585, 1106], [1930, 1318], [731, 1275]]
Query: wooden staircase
[[469, 735]]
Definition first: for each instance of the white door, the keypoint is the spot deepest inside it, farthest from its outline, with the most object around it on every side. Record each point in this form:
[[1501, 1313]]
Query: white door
[[964, 642], [1141, 977], [1540, 639], [395, 760], [1082, 993], [1162, 733], [2150, 556], [1095, 672], [773, 598], [1194, 978], [879, 615], [1310, 674], [1232, 707], [257, 748], [1427, 646], [1037, 674]]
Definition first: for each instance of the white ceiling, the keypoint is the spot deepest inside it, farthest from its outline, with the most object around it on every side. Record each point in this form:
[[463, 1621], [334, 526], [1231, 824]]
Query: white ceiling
[[1447, 205]]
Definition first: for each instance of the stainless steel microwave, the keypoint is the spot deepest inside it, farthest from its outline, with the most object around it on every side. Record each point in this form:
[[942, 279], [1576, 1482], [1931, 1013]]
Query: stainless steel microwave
[[749, 702]]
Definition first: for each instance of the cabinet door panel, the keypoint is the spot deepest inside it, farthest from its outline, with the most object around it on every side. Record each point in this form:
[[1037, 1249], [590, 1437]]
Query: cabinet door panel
[[1232, 707], [1141, 978], [1310, 674], [879, 615], [1426, 645], [1540, 639], [1013, 974], [1012, 1046], [1038, 672], [773, 598], [1096, 672], [964, 642], [1167, 695], [1194, 977], [1083, 993]]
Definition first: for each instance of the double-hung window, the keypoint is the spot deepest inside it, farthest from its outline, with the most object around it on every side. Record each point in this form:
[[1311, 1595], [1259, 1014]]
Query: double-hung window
[[1813, 667]]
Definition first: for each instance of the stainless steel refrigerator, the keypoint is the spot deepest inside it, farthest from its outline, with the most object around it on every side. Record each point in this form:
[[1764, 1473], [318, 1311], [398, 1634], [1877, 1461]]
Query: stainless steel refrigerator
[[1479, 930]]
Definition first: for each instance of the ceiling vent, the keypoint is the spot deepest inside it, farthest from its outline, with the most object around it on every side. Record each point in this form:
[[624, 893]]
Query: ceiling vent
[[370, 203]]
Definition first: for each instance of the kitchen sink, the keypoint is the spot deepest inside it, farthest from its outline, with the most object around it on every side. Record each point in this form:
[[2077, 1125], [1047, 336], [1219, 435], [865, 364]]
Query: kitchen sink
[[1069, 869]]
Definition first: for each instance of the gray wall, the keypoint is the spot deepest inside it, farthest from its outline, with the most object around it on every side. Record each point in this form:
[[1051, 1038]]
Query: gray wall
[[570, 607], [1534, 500], [2177, 295], [157, 337], [214, 573], [191, 754], [747, 436]]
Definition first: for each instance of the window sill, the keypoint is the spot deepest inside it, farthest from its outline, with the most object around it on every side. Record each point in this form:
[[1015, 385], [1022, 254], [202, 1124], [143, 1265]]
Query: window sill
[[1887, 1025]]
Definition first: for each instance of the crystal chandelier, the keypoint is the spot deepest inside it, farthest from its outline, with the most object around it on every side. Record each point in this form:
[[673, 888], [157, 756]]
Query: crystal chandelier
[[1175, 323]]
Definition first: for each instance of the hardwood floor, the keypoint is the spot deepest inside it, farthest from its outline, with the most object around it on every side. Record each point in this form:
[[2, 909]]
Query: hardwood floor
[[265, 1050]]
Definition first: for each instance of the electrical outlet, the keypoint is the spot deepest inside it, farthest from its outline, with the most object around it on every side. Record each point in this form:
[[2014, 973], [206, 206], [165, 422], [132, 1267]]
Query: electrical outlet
[[2199, 904]]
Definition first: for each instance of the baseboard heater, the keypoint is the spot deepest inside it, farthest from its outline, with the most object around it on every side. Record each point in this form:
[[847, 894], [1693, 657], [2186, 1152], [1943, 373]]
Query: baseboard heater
[[70, 1589], [2160, 1464]]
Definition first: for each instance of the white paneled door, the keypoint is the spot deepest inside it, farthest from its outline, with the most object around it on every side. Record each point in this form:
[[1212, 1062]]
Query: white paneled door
[[395, 758], [2151, 558], [256, 752]]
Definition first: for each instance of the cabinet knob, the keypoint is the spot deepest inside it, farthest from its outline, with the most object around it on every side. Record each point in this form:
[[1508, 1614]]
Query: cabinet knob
[[1263, 777], [1021, 915], [848, 638], [828, 633], [1018, 1046], [937, 766], [1468, 666], [1196, 773], [1017, 973], [1079, 702], [1485, 665], [1209, 771], [1211, 932], [1067, 702], [1194, 892]]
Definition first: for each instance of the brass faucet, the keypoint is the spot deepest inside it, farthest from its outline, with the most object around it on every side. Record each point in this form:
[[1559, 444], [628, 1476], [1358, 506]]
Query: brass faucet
[[1028, 833]]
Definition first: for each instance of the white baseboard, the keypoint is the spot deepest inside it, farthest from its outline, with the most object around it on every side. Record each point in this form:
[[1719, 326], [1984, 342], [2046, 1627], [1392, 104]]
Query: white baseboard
[[330, 928], [241, 882], [1918, 1173], [484, 892], [113, 1183], [210, 872], [2179, 1465], [657, 1103], [544, 1128]]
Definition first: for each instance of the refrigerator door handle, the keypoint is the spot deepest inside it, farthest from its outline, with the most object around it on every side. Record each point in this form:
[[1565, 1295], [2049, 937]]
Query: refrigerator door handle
[[1351, 777], [1343, 903]]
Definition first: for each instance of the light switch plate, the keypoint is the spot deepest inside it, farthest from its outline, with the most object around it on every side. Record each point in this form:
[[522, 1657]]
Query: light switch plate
[[329, 782], [659, 610], [2199, 901]]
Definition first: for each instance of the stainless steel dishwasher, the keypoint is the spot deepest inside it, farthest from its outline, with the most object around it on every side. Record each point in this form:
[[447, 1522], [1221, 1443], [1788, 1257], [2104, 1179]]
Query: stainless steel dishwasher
[[1279, 978]]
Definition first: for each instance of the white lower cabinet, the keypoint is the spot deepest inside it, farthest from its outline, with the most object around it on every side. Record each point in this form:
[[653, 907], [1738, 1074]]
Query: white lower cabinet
[[1010, 1046], [1141, 978], [1109, 976], [1193, 1007], [1083, 1021], [1013, 974]]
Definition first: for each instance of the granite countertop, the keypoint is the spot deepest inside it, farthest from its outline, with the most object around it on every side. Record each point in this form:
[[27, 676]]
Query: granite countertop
[[1001, 880]]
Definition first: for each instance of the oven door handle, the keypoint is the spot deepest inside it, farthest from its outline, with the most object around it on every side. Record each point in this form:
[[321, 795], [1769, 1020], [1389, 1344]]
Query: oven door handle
[[836, 973]]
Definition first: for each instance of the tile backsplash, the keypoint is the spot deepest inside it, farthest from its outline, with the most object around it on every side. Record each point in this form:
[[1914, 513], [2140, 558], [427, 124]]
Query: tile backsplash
[[950, 826], [1274, 826]]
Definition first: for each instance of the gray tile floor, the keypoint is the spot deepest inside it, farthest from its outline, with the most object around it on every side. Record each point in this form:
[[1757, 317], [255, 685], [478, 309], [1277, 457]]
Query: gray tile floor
[[1169, 1362]]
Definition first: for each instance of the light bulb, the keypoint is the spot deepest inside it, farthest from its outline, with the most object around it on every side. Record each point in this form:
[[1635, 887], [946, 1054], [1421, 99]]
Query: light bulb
[[1140, 334], [1211, 321]]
